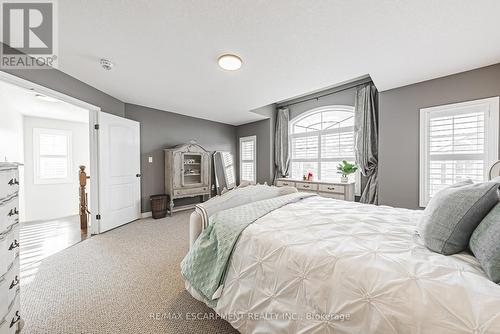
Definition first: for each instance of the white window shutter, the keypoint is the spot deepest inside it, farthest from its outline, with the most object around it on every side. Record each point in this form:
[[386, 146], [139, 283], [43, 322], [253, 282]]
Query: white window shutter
[[248, 153], [52, 156], [457, 142]]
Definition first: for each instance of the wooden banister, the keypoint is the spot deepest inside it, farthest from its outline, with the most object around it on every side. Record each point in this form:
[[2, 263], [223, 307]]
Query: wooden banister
[[83, 200]]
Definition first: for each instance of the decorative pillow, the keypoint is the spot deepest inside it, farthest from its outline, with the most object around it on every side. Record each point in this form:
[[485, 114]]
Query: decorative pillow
[[453, 214], [485, 244]]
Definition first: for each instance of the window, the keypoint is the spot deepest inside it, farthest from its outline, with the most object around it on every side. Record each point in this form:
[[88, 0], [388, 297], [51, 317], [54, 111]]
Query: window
[[227, 162], [320, 139], [457, 142], [248, 147], [52, 156]]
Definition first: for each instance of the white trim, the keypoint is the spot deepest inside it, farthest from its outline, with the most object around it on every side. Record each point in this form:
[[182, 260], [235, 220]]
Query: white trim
[[146, 214], [94, 170], [36, 156], [492, 135], [12, 79], [321, 109], [254, 161]]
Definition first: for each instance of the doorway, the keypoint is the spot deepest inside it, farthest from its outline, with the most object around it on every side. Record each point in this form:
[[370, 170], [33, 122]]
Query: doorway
[[51, 139], [110, 151]]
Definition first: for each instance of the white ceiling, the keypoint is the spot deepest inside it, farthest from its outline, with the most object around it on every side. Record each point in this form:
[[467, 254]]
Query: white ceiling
[[24, 102], [165, 51]]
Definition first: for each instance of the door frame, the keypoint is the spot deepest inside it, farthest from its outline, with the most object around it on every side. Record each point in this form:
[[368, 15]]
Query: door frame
[[94, 112]]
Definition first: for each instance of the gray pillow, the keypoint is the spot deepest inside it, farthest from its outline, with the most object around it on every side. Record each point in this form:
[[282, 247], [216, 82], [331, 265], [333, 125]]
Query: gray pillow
[[485, 244], [453, 214]]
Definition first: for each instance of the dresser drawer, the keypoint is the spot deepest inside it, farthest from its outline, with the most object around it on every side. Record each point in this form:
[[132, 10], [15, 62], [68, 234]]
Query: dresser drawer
[[9, 212], [11, 245], [306, 186], [5, 260], [282, 183], [332, 195], [9, 324], [9, 182], [332, 188], [190, 191], [10, 281]]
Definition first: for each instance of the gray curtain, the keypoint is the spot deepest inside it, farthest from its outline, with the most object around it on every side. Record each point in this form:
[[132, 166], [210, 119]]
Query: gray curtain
[[281, 148], [366, 140]]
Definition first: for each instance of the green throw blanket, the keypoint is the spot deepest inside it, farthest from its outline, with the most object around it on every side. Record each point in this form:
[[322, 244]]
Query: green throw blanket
[[205, 266]]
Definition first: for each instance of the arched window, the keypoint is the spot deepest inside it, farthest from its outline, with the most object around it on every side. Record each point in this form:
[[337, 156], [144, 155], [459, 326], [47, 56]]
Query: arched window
[[320, 139]]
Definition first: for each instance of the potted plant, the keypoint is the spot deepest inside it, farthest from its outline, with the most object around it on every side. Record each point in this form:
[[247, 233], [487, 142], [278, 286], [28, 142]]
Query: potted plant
[[346, 169]]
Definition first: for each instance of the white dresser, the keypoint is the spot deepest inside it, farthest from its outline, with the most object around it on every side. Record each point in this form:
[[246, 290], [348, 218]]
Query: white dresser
[[10, 317], [337, 190]]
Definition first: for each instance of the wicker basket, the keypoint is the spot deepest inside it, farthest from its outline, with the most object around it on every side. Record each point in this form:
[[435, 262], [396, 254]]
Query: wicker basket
[[159, 206]]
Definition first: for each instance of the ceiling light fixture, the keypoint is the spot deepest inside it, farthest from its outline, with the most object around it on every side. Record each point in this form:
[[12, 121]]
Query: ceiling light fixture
[[230, 62], [46, 98]]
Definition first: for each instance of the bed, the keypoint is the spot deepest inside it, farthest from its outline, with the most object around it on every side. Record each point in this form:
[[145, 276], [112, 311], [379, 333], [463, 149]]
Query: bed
[[319, 265]]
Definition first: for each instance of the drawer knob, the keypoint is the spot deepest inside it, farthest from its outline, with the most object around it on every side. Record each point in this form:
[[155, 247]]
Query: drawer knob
[[14, 244], [306, 186], [13, 212], [331, 188], [13, 182], [14, 320], [15, 282]]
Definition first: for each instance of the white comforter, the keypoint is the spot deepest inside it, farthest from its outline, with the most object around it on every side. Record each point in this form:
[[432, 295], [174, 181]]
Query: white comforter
[[328, 266]]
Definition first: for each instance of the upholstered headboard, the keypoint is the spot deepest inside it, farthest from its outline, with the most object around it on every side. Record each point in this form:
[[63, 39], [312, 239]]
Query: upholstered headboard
[[200, 217]]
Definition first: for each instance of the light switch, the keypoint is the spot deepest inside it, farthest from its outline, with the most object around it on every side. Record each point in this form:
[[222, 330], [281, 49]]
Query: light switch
[[150, 160]]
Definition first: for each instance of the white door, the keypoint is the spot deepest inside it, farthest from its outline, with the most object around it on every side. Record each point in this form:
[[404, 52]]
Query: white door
[[119, 171]]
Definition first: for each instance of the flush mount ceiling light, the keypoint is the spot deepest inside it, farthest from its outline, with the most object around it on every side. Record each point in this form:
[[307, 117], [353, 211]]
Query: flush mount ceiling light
[[230, 62], [46, 98]]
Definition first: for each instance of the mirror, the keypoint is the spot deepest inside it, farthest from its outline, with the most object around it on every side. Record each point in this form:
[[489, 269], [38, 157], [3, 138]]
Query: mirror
[[224, 171]]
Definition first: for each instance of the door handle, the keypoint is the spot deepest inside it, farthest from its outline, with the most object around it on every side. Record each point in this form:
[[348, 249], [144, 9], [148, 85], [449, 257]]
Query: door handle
[[137, 175]]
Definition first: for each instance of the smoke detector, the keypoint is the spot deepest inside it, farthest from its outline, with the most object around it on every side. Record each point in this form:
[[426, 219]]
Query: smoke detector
[[106, 64]]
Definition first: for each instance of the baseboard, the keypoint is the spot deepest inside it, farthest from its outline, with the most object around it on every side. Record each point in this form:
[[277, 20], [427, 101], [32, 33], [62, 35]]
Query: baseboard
[[146, 214]]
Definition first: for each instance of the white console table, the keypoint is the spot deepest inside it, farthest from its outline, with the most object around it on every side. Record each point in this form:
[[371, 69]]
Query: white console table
[[337, 190]]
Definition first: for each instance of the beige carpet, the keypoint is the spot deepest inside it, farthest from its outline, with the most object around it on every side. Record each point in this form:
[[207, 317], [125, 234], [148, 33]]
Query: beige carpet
[[115, 282]]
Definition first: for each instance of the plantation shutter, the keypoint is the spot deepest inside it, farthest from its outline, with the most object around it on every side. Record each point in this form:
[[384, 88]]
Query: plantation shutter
[[227, 160], [457, 146], [247, 159], [51, 155]]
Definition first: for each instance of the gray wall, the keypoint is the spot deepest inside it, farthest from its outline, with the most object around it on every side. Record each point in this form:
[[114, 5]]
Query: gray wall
[[399, 127], [161, 129], [66, 84], [345, 97]]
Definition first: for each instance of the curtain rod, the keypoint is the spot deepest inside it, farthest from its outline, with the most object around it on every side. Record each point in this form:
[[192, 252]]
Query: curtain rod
[[327, 94]]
